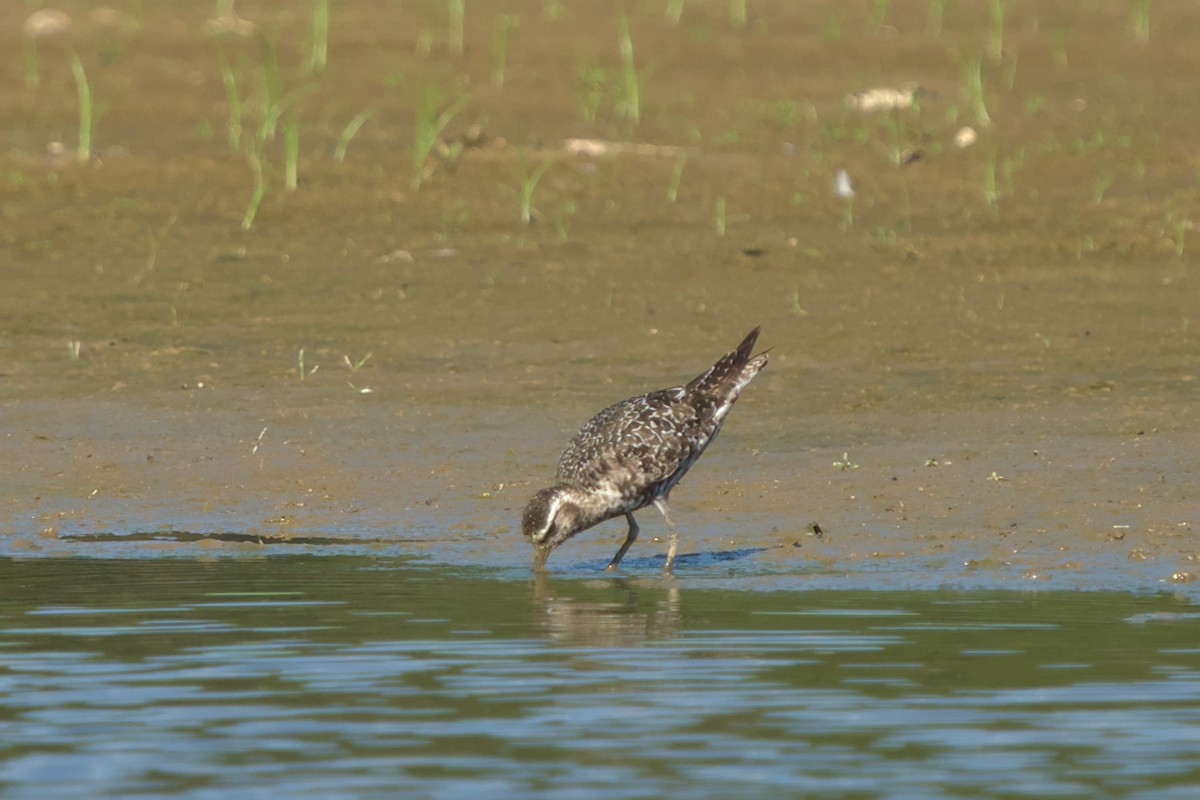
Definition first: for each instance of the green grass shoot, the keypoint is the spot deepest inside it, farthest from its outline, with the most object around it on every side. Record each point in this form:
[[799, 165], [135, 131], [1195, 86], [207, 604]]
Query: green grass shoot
[[1178, 223], [355, 366], [1010, 71], [430, 123], [935, 17], [269, 88], [155, 238], [674, 11], [291, 154], [676, 177], [591, 86], [506, 26], [991, 194], [424, 43], [271, 102], [528, 186], [318, 49], [32, 72], [560, 220], [1058, 50], [973, 89], [843, 188], [877, 15], [348, 132], [720, 217], [1140, 23], [272, 109], [995, 45], [891, 121], [845, 464], [84, 92], [628, 104], [233, 104], [737, 13], [256, 195], [797, 309], [458, 12]]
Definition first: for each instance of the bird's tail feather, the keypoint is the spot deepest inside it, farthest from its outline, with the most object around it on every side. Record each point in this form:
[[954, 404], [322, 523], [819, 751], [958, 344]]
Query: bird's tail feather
[[732, 371]]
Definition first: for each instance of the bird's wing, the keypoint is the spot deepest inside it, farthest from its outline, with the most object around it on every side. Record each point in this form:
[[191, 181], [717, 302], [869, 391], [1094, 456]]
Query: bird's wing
[[640, 442]]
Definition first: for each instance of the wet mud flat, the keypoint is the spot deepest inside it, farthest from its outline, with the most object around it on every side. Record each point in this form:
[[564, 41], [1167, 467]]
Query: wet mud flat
[[984, 361]]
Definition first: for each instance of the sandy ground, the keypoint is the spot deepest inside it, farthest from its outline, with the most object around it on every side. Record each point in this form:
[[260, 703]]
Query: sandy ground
[[983, 367]]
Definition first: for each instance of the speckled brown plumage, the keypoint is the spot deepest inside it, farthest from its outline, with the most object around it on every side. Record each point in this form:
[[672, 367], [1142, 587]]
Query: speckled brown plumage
[[633, 453]]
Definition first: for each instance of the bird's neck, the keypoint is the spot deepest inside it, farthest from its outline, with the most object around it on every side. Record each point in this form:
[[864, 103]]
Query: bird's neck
[[594, 507]]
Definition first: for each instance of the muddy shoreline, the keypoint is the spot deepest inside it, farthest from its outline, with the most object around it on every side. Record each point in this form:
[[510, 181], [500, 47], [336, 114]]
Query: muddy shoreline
[[997, 343]]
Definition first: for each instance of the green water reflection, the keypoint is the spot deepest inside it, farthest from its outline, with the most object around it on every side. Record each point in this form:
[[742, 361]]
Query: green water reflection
[[351, 676]]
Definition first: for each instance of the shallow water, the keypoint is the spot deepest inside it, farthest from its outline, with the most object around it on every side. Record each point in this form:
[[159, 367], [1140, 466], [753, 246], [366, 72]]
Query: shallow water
[[348, 676]]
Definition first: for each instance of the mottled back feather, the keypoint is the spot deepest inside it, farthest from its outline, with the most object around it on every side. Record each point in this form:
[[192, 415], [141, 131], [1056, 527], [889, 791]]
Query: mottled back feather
[[637, 450]]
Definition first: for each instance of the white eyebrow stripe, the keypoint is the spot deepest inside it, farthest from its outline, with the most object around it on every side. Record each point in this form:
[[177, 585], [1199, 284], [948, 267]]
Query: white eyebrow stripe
[[551, 513]]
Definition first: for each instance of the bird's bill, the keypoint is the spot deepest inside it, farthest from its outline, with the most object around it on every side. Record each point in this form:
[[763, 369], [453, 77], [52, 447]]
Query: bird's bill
[[540, 554]]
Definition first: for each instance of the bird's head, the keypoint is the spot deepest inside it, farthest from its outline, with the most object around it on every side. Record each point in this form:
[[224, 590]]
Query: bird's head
[[549, 520]]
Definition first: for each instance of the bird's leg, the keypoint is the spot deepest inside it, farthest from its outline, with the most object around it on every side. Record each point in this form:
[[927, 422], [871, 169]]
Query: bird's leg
[[630, 538], [673, 544]]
